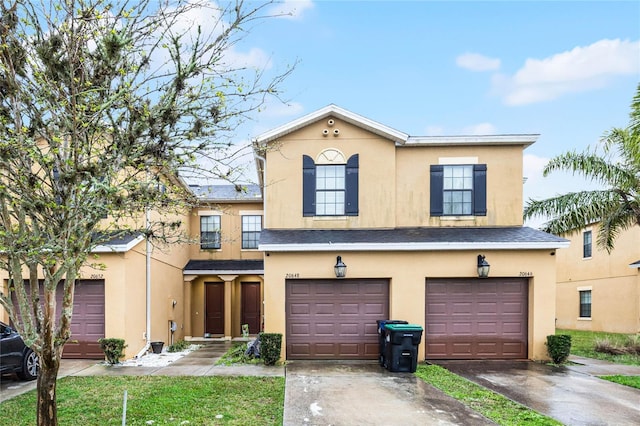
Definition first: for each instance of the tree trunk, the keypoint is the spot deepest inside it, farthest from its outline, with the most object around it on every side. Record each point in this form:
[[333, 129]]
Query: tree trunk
[[47, 380]]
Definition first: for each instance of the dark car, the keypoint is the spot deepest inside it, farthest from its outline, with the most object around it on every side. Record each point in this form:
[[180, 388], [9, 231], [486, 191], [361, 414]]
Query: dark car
[[15, 356]]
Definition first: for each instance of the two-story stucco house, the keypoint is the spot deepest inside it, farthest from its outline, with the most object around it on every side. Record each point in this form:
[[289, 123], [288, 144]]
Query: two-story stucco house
[[599, 291], [409, 217]]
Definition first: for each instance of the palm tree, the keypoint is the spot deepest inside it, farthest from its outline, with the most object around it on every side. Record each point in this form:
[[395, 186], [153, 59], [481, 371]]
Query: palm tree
[[616, 169]]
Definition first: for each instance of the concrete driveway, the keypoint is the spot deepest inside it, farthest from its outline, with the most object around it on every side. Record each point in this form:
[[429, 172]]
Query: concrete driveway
[[571, 394], [363, 393]]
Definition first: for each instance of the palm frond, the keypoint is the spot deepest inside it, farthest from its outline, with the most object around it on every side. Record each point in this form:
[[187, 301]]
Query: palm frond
[[590, 166]]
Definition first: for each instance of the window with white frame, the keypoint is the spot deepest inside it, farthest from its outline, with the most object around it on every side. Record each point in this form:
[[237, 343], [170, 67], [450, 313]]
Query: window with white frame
[[587, 241], [251, 227], [457, 196], [209, 232], [585, 304], [330, 190]]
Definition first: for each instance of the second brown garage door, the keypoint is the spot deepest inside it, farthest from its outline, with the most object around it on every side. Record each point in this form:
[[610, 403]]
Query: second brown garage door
[[476, 318], [335, 319]]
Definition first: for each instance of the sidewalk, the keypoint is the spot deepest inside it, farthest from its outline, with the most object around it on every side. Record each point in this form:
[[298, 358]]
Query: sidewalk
[[200, 362]]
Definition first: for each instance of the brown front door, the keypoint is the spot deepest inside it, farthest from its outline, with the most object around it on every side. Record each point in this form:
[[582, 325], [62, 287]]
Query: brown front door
[[335, 319], [251, 306], [214, 306], [476, 318]]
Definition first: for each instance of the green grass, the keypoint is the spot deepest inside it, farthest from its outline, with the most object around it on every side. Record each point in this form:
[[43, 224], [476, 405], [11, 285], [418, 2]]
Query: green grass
[[163, 400], [632, 381], [583, 343], [492, 405]]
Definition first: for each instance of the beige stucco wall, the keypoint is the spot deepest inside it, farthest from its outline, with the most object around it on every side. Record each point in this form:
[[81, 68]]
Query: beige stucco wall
[[504, 184], [231, 231], [408, 271], [615, 287], [124, 275], [283, 180]]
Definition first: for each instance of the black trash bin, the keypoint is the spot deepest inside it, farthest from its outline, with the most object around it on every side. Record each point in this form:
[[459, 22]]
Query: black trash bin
[[382, 337], [401, 347], [157, 347]]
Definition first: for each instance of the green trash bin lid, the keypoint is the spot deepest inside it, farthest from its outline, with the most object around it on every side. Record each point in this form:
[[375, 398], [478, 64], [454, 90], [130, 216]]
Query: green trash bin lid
[[403, 327]]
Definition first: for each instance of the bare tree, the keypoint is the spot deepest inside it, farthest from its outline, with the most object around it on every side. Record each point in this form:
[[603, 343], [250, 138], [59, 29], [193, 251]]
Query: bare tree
[[102, 105]]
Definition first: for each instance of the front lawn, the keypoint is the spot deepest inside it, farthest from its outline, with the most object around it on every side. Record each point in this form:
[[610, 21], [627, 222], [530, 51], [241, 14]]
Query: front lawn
[[632, 381], [490, 404], [158, 400], [583, 344]]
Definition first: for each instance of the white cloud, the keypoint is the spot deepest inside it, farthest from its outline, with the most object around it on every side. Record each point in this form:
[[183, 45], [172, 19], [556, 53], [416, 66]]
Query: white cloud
[[480, 129], [292, 9], [580, 69], [477, 62]]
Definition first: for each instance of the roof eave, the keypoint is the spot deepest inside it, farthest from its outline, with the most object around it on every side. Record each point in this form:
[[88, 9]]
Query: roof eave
[[412, 246], [486, 140], [335, 111], [118, 248]]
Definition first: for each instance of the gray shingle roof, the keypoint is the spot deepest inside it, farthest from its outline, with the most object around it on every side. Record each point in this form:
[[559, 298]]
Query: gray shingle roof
[[227, 192], [224, 267], [426, 238]]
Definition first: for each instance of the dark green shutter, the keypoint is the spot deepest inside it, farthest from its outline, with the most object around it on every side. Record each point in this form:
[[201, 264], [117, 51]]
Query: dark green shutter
[[351, 186], [308, 186], [436, 188], [480, 189]]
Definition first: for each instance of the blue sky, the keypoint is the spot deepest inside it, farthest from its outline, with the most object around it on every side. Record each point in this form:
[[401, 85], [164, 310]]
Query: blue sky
[[565, 70]]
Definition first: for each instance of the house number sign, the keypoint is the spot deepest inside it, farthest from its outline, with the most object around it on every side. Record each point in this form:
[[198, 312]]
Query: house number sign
[[292, 275], [526, 274]]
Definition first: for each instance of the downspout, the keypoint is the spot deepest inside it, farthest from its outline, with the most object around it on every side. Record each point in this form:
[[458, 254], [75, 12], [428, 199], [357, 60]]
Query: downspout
[[145, 349]]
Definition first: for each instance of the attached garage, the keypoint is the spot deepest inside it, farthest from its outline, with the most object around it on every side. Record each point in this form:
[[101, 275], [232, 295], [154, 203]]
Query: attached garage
[[334, 319], [87, 324], [476, 318]]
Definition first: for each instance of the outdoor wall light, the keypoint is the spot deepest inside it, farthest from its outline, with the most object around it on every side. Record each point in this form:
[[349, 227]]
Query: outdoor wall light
[[340, 268], [483, 267]]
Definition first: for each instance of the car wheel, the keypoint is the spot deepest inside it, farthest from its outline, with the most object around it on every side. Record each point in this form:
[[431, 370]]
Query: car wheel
[[30, 366]]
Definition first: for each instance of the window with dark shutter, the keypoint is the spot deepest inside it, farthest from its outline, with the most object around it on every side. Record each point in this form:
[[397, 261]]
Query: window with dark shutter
[[458, 190], [330, 189]]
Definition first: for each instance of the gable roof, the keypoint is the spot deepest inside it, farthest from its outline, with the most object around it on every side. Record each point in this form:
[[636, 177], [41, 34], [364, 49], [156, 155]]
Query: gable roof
[[333, 111], [409, 239]]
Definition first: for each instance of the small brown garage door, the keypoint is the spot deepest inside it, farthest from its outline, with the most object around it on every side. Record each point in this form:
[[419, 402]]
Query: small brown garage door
[[476, 318], [87, 323], [335, 319]]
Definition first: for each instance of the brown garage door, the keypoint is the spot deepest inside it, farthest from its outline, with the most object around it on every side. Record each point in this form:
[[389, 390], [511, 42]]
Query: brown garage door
[[476, 318], [335, 319], [87, 324]]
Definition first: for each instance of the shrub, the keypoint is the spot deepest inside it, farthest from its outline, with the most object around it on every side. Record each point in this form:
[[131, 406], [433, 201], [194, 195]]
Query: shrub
[[178, 346], [631, 345], [270, 345], [559, 347], [113, 349]]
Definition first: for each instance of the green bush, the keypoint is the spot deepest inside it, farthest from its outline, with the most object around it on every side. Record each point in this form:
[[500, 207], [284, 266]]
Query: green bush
[[559, 347], [113, 349], [270, 345], [178, 346]]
